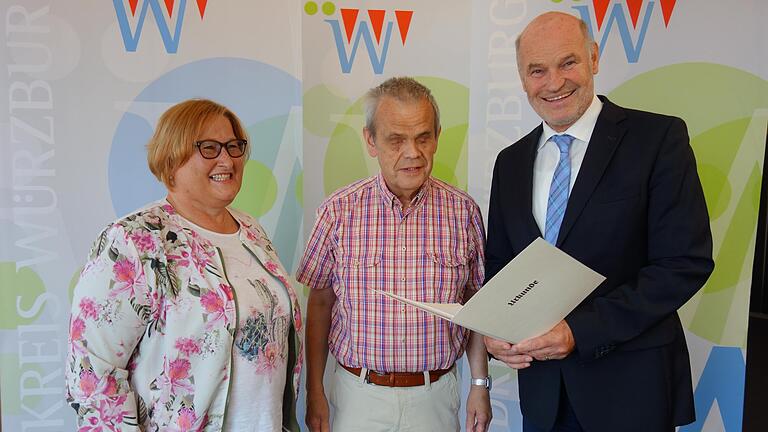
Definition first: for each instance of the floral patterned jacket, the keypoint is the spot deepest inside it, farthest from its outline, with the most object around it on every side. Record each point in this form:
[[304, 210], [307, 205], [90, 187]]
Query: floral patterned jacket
[[153, 324]]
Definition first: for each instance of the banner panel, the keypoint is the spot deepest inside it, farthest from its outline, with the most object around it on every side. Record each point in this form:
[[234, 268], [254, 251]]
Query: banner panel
[[84, 89], [662, 56], [351, 46]]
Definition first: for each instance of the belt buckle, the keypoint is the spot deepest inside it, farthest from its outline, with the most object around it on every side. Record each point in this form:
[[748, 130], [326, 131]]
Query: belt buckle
[[368, 373], [367, 377]]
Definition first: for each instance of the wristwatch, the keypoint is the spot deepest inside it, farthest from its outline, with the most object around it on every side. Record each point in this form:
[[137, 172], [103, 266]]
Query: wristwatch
[[485, 382]]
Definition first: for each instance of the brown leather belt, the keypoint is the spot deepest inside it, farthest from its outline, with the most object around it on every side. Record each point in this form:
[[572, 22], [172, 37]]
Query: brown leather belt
[[397, 379]]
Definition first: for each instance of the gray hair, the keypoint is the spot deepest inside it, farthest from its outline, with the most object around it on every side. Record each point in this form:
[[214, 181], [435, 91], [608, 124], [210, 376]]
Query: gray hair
[[404, 89]]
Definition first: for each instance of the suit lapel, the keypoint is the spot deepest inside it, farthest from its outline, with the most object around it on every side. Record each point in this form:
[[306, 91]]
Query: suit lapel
[[531, 142], [605, 139]]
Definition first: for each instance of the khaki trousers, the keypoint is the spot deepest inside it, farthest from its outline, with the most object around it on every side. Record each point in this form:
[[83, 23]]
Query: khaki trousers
[[359, 406]]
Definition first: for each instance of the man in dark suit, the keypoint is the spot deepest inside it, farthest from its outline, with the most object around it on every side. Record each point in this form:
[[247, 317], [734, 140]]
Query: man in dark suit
[[618, 190]]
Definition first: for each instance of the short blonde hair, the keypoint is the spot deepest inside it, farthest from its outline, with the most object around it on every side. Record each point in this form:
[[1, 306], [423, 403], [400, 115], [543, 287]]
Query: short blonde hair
[[173, 142]]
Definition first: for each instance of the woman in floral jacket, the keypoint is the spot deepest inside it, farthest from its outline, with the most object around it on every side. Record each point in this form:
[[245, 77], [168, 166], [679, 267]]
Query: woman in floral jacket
[[183, 318]]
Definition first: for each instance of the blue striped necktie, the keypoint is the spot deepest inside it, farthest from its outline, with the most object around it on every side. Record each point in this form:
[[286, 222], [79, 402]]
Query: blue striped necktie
[[558, 190]]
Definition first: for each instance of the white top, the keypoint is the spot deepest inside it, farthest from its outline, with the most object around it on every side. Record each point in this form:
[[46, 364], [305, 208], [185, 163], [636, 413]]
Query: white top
[[260, 352], [548, 155]]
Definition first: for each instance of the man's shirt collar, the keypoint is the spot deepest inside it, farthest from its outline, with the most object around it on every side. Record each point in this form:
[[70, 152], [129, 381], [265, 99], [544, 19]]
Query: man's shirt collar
[[581, 130], [393, 201]]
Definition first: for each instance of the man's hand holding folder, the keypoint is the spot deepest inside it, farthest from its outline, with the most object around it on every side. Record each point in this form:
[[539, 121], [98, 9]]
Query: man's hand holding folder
[[555, 344]]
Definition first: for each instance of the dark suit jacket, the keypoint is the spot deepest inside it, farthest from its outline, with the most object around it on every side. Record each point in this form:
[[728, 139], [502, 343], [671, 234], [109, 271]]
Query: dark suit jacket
[[636, 215]]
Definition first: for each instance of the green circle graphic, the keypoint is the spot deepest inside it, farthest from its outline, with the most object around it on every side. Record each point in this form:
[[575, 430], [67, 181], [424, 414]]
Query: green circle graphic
[[728, 137], [329, 8], [21, 286], [310, 8], [268, 138], [259, 190]]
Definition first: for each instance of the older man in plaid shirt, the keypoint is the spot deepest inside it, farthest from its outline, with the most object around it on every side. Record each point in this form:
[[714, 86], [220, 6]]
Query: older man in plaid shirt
[[405, 232]]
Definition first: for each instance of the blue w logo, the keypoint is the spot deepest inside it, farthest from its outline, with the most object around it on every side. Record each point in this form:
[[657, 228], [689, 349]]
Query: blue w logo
[[631, 48], [170, 39], [364, 33], [376, 43]]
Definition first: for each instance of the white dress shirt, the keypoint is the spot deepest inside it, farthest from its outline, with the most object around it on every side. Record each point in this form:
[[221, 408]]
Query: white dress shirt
[[548, 155]]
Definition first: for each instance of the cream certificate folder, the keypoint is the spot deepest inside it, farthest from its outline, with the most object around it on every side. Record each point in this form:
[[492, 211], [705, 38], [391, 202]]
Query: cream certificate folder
[[531, 294]]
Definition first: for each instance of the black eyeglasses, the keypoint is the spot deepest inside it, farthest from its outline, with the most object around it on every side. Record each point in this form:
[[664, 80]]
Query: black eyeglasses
[[211, 149]]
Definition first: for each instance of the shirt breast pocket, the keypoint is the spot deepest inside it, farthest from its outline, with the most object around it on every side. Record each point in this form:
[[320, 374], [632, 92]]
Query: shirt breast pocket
[[447, 273], [357, 272]]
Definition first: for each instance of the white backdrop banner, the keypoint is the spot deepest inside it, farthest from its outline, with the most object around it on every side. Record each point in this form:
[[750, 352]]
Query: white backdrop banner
[[84, 86], [351, 46], [662, 56]]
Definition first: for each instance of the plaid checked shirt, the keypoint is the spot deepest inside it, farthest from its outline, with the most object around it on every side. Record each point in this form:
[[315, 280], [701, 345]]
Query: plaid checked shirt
[[433, 252]]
